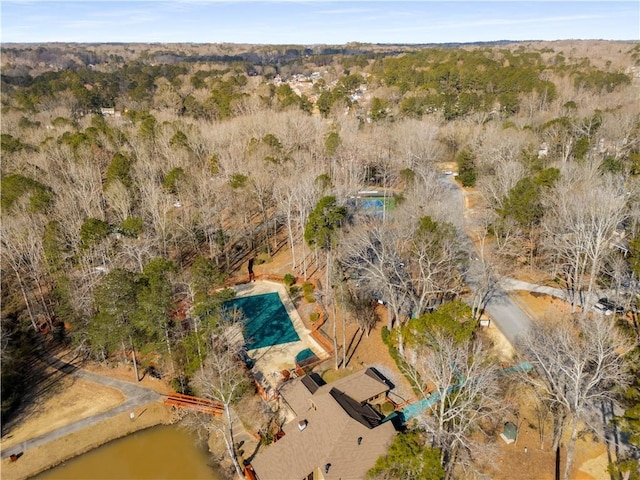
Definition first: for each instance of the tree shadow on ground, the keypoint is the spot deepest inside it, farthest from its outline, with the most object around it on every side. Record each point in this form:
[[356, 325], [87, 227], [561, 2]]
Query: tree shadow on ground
[[358, 333], [40, 378]]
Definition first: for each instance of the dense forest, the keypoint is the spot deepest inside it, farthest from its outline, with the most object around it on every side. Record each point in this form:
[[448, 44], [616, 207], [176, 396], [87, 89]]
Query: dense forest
[[137, 178]]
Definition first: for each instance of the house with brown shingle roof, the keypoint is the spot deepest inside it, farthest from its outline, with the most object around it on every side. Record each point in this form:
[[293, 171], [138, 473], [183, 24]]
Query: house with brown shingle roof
[[333, 433]]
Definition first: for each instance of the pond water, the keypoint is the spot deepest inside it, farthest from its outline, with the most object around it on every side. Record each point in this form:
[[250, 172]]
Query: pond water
[[166, 452]]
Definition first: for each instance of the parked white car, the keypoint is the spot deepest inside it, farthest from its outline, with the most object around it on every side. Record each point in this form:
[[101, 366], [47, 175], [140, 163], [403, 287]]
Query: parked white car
[[598, 307]]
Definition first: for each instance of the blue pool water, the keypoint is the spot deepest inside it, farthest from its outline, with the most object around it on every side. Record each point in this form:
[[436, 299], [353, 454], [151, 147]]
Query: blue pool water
[[304, 355], [267, 322]]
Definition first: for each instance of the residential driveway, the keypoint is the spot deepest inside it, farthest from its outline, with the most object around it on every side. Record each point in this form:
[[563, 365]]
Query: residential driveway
[[135, 396], [513, 284]]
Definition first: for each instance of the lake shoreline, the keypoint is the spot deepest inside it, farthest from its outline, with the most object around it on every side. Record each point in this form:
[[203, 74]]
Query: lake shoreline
[[44, 457]]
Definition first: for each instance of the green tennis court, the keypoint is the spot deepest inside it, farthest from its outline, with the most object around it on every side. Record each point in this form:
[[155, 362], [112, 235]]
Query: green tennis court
[[267, 322]]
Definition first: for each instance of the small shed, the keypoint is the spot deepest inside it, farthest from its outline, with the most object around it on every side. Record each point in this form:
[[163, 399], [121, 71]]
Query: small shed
[[510, 433]]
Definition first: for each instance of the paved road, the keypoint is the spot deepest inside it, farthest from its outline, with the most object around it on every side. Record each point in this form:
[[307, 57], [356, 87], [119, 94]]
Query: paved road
[[508, 316], [135, 396], [504, 312]]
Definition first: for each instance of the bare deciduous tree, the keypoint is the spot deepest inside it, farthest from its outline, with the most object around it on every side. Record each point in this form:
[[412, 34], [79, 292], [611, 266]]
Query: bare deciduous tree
[[464, 387], [223, 379], [495, 187], [119, 199], [296, 193], [362, 307], [577, 365], [22, 249], [435, 260], [581, 218], [373, 256]]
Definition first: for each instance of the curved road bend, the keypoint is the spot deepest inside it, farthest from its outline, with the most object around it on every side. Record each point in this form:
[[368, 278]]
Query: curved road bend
[[504, 312], [135, 396]]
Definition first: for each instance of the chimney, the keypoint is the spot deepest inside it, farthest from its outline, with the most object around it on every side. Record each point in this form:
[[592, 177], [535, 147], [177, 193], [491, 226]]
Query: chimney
[[302, 424]]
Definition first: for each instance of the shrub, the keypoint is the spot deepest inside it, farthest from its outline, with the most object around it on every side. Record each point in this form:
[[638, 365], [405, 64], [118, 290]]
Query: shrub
[[262, 258], [385, 334], [294, 291], [289, 279], [181, 385], [387, 408], [307, 291], [313, 317], [238, 180]]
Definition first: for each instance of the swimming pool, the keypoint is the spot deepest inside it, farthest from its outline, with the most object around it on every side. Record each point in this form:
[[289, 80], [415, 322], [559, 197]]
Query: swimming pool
[[267, 322]]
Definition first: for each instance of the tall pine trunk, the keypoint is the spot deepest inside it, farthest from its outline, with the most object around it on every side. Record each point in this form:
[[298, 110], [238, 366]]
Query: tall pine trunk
[[133, 357], [335, 335], [344, 340]]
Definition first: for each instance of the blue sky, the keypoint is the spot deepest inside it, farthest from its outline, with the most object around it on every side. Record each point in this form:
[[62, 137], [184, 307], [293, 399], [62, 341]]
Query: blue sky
[[313, 22]]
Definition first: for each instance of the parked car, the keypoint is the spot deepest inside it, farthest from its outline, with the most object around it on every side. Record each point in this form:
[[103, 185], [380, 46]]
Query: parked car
[[614, 307], [599, 307], [606, 306]]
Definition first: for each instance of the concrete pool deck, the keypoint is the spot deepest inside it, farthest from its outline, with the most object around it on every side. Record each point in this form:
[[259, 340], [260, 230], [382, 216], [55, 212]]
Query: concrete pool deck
[[272, 360]]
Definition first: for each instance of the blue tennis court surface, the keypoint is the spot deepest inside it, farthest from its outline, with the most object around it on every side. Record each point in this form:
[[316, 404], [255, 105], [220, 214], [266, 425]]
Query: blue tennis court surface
[[372, 203], [267, 322]]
